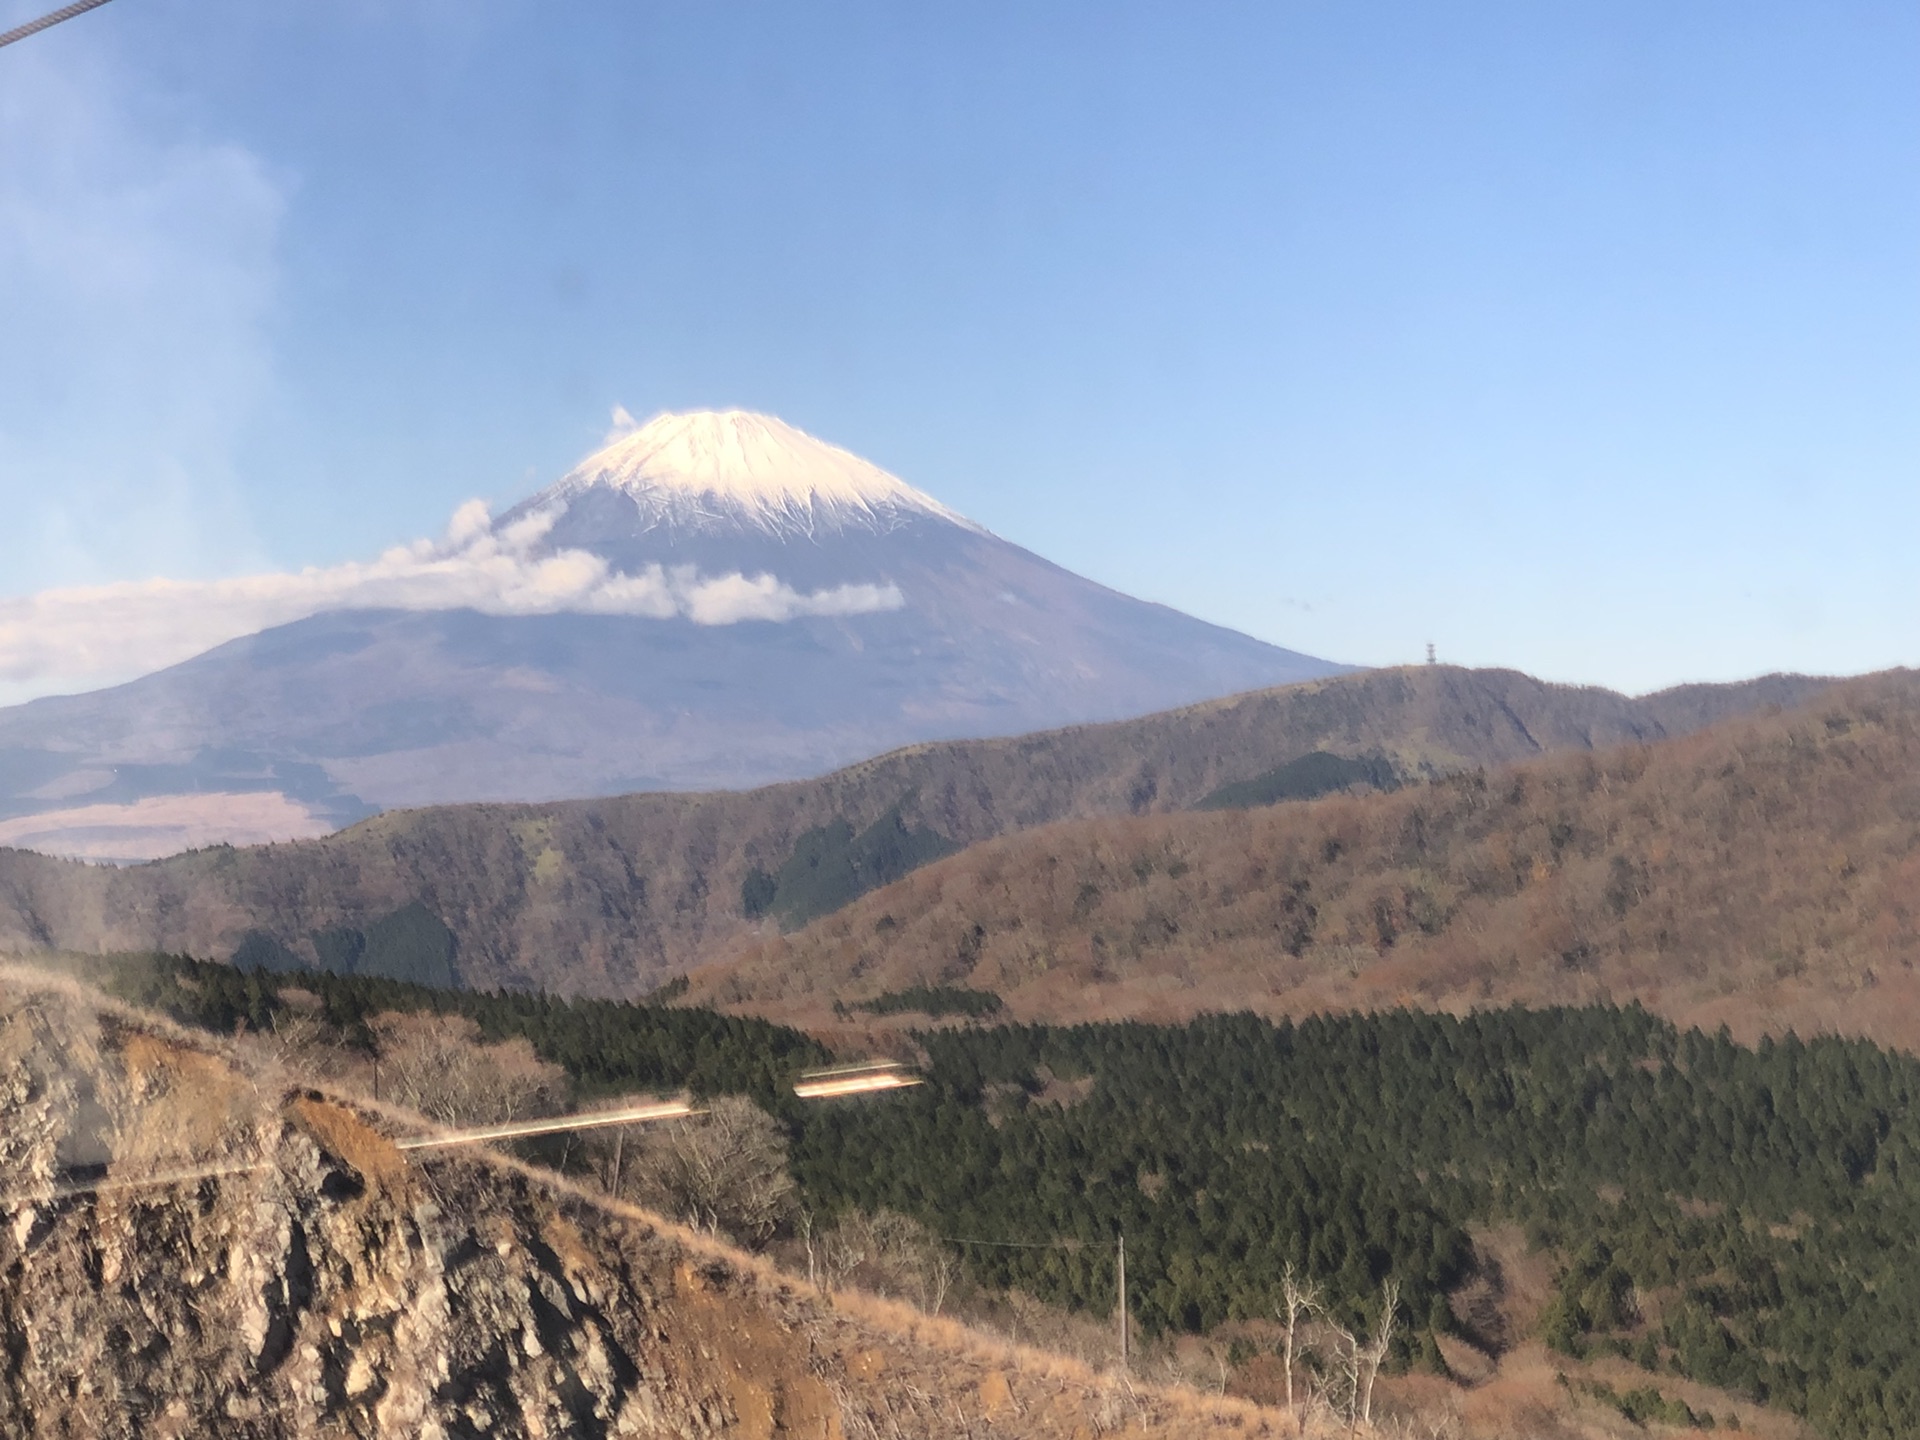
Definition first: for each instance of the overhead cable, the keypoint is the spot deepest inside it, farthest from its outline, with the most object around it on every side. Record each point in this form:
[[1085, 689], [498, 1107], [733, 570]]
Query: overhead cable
[[47, 22]]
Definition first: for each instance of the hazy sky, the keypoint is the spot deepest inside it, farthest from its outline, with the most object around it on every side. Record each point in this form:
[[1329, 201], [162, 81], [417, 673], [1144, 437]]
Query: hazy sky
[[1578, 338]]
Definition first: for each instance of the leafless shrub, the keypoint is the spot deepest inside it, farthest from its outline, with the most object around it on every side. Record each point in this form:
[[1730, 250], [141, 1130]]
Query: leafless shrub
[[438, 1065], [724, 1171], [608, 1154], [301, 1042], [889, 1253]]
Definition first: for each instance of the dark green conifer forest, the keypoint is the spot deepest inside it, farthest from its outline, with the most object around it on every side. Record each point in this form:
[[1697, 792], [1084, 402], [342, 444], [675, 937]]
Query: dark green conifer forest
[[1768, 1198], [831, 865], [1309, 776]]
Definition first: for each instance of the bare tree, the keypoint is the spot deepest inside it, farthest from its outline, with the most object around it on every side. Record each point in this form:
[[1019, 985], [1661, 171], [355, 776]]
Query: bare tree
[[1370, 1358], [1349, 1392], [302, 1043], [1342, 1388], [1299, 1300], [891, 1253], [806, 1239], [724, 1171], [939, 1272], [438, 1065], [604, 1152]]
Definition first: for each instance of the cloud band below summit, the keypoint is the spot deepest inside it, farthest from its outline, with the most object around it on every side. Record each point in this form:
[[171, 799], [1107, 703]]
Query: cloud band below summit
[[72, 639]]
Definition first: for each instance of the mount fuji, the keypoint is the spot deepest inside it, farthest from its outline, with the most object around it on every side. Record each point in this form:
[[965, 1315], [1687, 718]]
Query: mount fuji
[[713, 600]]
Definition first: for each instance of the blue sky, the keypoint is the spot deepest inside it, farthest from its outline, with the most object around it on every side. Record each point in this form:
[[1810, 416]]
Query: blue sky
[[1582, 339]]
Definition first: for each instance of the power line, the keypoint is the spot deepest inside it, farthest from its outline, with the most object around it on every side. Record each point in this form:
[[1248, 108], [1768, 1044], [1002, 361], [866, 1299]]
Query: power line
[[47, 22]]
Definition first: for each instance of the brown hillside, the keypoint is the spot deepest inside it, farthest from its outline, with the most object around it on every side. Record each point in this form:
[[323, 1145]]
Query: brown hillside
[[613, 896], [1765, 873], [317, 1282]]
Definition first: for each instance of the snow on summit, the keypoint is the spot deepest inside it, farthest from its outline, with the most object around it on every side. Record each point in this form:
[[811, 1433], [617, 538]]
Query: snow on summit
[[709, 469]]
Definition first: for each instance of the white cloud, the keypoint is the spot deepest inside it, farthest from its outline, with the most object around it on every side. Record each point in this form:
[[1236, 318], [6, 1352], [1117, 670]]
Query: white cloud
[[731, 598], [623, 424], [80, 638], [138, 270]]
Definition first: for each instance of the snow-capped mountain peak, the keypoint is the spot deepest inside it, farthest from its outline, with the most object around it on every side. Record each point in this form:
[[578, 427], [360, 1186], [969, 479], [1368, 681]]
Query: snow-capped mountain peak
[[710, 601], [706, 469]]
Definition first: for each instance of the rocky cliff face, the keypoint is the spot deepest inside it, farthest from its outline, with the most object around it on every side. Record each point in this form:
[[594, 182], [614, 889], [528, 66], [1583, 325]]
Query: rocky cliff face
[[189, 1247]]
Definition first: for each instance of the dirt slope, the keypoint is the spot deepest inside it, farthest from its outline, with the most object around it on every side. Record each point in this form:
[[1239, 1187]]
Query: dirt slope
[[1765, 873], [613, 896]]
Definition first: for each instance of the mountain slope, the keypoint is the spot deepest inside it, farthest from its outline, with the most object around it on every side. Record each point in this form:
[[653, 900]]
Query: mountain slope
[[313, 1280], [613, 896], [1762, 872], [710, 601]]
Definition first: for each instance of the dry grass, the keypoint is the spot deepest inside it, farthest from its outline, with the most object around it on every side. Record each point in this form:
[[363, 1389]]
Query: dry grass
[[342, 1130], [184, 1104]]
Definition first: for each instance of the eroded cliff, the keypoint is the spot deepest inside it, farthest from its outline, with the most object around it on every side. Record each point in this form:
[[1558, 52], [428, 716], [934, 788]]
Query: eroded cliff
[[194, 1244]]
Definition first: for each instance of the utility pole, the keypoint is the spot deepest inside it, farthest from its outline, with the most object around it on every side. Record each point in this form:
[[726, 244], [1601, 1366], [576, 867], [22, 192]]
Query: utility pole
[[1120, 1267]]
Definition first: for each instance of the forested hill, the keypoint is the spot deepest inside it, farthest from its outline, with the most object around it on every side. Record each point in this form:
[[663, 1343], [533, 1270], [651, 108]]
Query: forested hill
[[613, 896], [1740, 1216], [1763, 873]]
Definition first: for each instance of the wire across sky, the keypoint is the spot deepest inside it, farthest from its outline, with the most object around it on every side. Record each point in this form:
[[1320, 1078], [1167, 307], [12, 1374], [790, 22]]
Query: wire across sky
[[47, 22]]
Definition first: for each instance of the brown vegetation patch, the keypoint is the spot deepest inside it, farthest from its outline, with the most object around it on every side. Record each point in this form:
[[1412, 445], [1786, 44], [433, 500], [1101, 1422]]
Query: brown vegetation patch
[[342, 1133], [183, 1103], [1761, 874], [1063, 1093], [1507, 1291]]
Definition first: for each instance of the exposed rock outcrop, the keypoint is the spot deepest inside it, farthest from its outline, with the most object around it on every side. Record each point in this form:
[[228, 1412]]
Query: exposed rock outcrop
[[189, 1246]]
